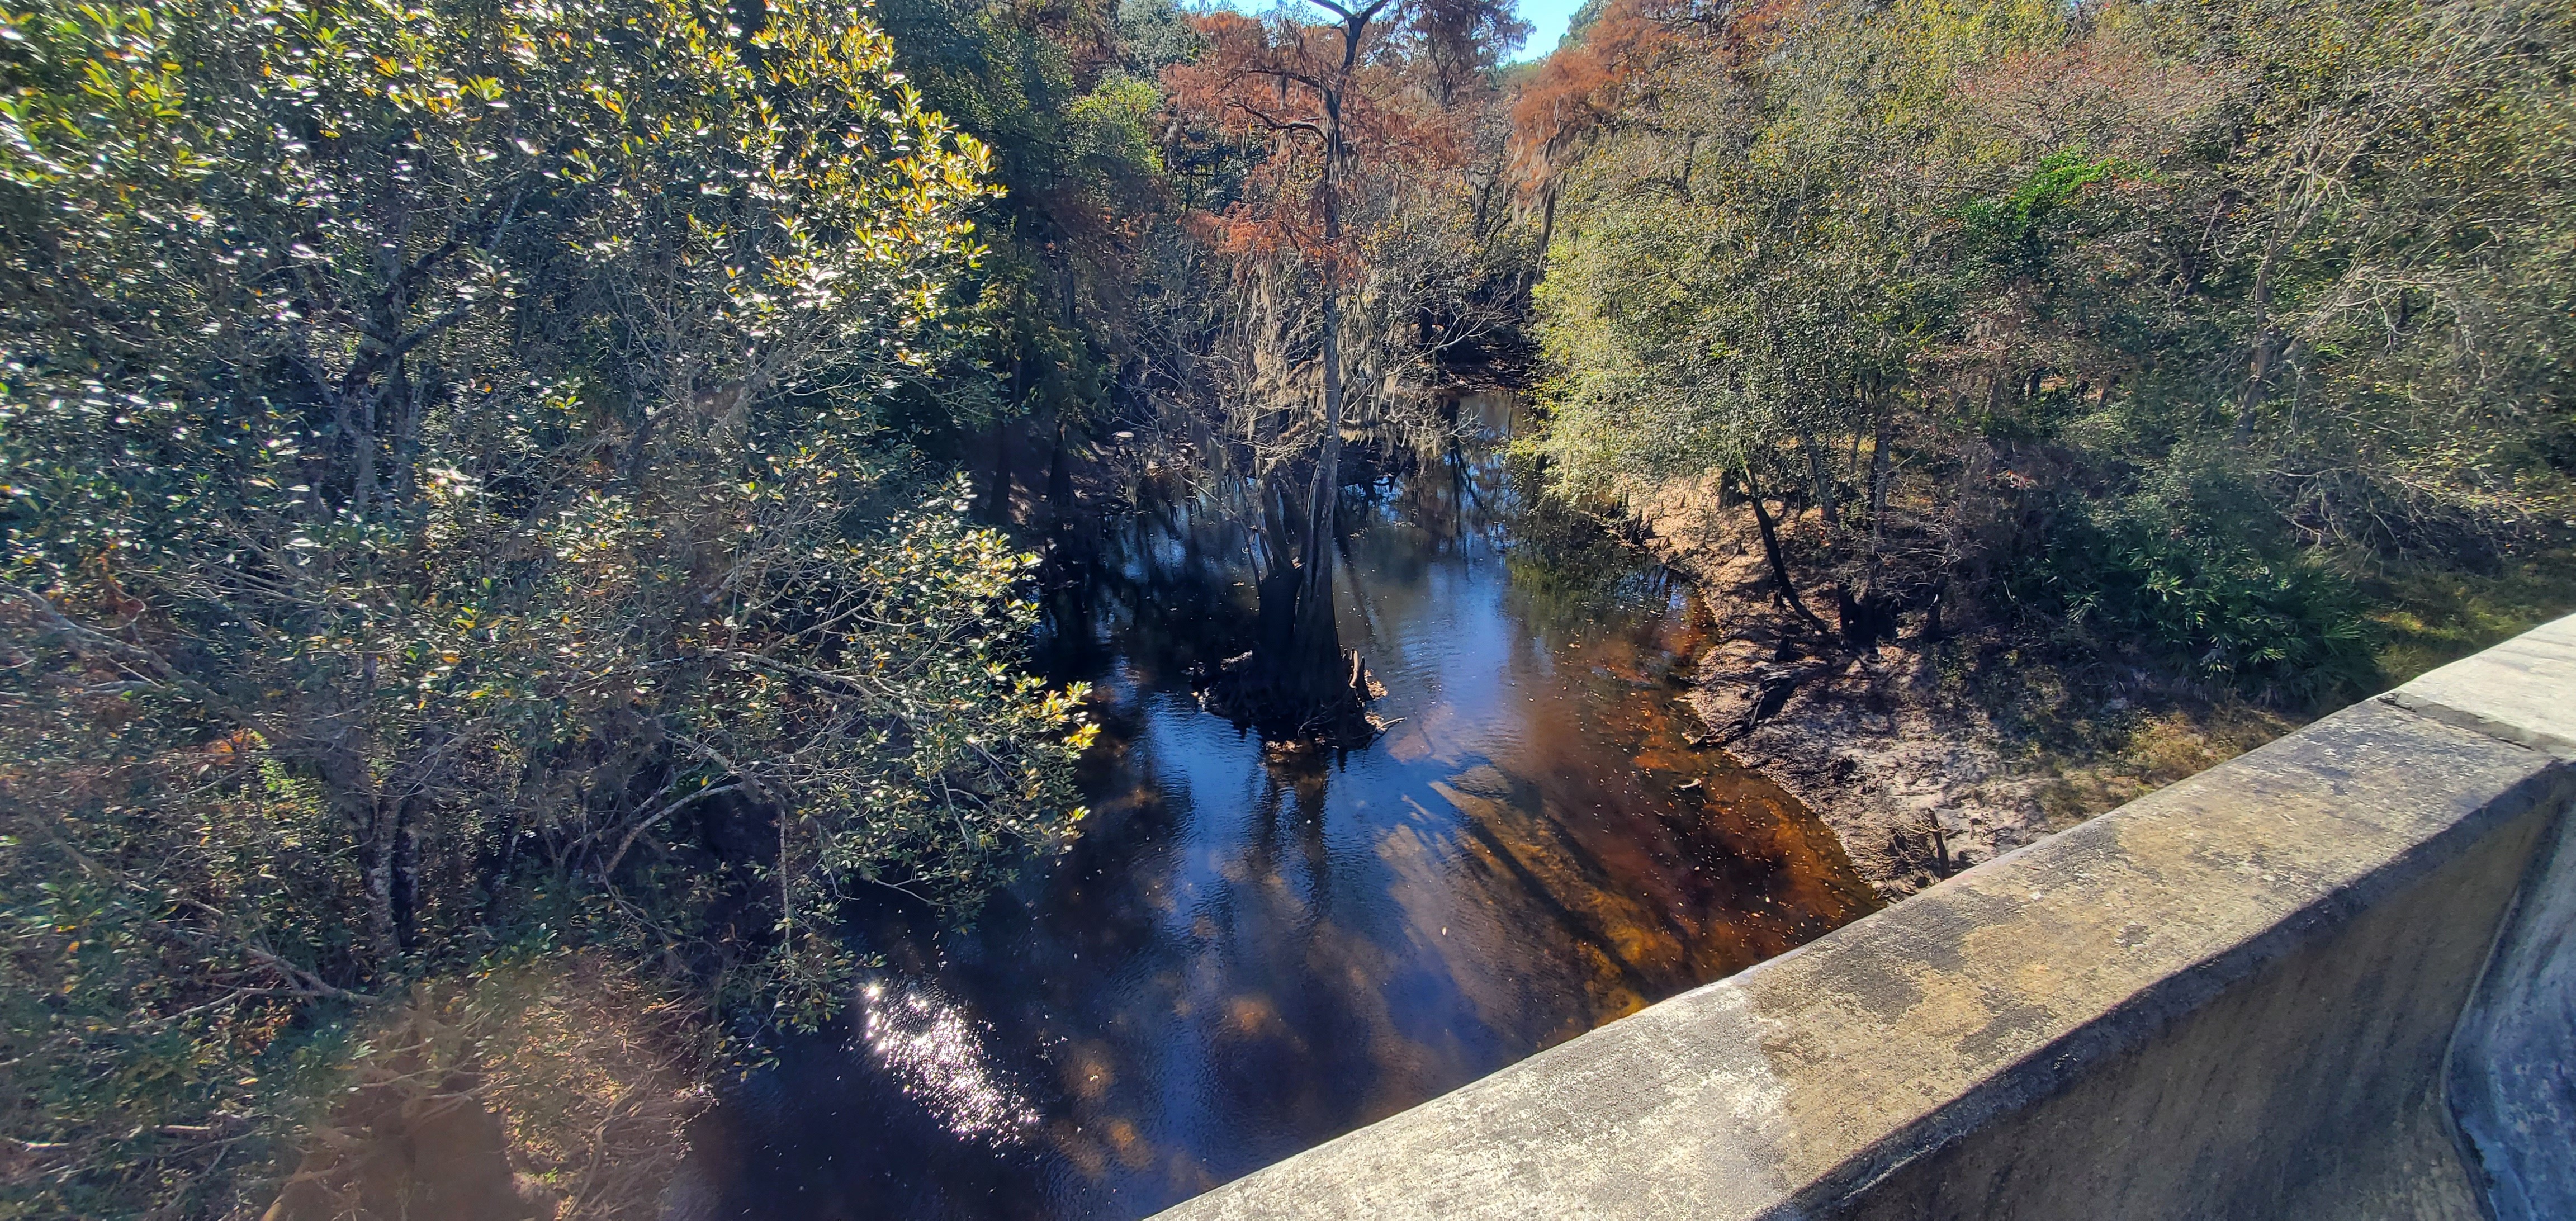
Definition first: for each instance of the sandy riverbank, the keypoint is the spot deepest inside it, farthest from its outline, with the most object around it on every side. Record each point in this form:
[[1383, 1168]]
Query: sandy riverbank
[[1924, 758]]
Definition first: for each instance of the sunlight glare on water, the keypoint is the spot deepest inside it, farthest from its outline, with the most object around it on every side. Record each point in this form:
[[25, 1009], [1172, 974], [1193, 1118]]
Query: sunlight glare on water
[[1252, 949], [929, 1048]]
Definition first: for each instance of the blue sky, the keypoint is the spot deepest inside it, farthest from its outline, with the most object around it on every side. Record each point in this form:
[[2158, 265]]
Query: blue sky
[[1549, 16], [1547, 20]]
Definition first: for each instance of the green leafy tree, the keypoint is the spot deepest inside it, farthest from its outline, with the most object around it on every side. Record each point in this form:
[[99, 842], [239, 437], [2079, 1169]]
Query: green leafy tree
[[2144, 327], [450, 507]]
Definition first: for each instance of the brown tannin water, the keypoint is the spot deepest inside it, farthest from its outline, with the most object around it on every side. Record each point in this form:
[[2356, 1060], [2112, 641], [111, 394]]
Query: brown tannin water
[[1251, 950]]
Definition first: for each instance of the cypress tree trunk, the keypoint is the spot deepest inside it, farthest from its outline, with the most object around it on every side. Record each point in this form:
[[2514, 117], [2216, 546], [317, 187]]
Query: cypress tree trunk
[[1316, 663], [1274, 643]]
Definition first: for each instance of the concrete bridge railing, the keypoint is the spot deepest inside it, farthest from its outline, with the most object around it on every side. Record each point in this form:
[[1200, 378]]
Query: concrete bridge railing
[[2333, 978]]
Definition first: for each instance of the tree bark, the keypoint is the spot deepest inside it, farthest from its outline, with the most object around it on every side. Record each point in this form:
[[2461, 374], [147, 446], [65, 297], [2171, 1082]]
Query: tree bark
[[349, 785], [2258, 365], [1275, 632], [1821, 478], [1879, 470], [1318, 650], [1869, 617], [1771, 552], [1319, 646], [1059, 484], [997, 504]]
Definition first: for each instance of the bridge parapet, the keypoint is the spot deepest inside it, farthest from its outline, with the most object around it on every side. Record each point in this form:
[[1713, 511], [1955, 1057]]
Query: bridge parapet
[[2334, 977]]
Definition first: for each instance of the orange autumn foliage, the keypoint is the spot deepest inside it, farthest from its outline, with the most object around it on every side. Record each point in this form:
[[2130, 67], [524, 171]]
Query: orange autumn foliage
[[1610, 73], [1294, 94]]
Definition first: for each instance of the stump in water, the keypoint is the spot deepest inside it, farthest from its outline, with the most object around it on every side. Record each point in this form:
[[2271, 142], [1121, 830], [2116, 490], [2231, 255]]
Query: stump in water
[[1330, 710], [1297, 684]]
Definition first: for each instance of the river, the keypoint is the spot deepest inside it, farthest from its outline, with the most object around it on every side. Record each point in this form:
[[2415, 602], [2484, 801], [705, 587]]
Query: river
[[1250, 950]]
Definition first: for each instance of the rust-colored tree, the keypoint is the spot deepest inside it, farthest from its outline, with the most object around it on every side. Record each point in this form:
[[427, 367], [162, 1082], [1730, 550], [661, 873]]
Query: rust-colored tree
[[1610, 72], [1330, 113]]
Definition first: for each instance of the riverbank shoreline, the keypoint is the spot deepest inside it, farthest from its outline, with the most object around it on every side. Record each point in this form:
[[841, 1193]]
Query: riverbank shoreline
[[1924, 758]]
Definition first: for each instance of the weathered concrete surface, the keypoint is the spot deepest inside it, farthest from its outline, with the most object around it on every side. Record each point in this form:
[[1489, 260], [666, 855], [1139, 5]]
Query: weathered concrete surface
[[2523, 690], [2513, 1066], [2232, 998], [2309, 1088], [2512, 1080]]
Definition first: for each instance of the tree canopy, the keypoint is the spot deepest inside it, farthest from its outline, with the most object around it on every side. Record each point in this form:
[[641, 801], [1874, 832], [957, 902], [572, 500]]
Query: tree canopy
[[451, 511], [2160, 325]]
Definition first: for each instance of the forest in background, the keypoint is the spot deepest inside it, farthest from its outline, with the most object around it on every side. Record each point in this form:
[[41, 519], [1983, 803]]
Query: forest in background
[[2210, 338], [2120, 385], [515, 516]]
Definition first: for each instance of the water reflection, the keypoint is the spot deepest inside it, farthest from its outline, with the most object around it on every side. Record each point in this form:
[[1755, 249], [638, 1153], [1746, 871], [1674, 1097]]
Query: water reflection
[[1252, 949]]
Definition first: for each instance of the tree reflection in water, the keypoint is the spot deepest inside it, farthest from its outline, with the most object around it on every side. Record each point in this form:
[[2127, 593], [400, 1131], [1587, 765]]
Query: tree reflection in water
[[1255, 948]]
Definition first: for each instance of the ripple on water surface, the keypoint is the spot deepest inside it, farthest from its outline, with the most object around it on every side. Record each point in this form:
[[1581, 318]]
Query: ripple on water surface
[[1252, 950]]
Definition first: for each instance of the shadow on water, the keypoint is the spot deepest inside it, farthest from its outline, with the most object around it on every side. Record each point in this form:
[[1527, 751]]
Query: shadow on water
[[1251, 950]]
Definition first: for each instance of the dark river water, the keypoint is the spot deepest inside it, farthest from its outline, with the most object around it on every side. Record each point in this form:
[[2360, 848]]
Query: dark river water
[[1252, 950]]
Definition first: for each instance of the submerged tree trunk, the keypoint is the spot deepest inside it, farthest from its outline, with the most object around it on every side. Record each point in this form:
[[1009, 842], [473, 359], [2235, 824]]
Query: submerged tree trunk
[[1278, 586], [1296, 682], [1317, 655]]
